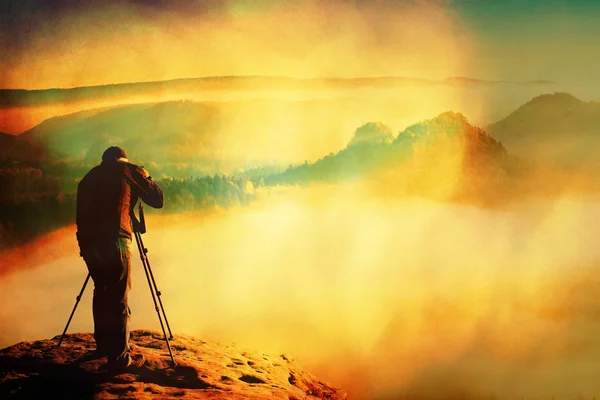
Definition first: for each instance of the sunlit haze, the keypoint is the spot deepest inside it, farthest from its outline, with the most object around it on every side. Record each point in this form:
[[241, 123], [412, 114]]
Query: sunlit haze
[[133, 41], [403, 195], [376, 295]]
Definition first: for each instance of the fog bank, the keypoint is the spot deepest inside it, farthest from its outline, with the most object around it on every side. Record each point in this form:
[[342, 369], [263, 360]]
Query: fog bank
[[380, 296]]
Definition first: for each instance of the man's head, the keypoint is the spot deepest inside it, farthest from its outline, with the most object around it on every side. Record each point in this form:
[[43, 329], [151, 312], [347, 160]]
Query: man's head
[[114, 153]]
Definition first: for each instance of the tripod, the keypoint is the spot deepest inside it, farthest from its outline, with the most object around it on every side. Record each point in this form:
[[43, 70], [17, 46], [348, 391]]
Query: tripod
[[139, 227]]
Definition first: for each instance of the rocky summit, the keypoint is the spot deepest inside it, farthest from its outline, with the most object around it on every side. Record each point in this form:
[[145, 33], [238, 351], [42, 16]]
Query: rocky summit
[[205, 370]]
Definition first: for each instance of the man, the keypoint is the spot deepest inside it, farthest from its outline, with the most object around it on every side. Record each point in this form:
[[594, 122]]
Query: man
[[106, 197]]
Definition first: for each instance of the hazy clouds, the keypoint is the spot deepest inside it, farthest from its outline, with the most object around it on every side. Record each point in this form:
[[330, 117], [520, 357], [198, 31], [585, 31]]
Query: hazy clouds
[[379, 295], [124, 42], [65, 44]]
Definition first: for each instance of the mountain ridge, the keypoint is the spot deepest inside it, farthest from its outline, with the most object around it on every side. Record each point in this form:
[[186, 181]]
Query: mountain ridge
[[557, 127], [12, 98], [448, 135], [190, 132]]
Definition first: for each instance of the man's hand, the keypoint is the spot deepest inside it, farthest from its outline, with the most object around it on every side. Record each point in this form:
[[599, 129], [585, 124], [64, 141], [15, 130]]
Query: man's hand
[[145, 173]]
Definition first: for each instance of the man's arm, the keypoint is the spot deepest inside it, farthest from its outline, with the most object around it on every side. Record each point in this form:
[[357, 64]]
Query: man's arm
[[144, 186]]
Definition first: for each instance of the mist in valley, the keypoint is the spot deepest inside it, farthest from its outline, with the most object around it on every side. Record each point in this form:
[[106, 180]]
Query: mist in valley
[[459, 271], [382, 296], [362, 218]]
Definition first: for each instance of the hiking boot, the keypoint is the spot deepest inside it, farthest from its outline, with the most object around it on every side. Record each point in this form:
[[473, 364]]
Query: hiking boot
[[135, 362]]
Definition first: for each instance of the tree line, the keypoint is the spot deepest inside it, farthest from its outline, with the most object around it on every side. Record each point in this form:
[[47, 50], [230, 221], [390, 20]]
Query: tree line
[[33, 202]]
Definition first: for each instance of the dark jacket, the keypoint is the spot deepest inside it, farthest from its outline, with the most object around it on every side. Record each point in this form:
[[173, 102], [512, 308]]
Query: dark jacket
[[106, 197]]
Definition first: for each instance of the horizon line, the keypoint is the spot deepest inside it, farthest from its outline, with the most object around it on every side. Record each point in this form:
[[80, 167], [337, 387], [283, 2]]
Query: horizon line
[[345, 78]]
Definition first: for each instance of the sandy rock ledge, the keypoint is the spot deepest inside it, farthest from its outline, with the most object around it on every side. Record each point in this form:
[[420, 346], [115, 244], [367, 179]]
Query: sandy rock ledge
[[206, 371]]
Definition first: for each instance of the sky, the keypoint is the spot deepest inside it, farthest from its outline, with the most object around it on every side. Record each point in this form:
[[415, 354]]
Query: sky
[[69, 43]]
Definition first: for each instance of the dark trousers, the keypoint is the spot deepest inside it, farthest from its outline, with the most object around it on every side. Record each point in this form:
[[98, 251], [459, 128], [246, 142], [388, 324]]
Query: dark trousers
[[109, 264]]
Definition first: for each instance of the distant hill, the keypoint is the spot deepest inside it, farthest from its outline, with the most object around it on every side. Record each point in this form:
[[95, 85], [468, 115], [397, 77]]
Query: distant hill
[[186, 138], [10, 98], [451, 132], [373, 147], [165, 133], [372, 133], [554, 127]]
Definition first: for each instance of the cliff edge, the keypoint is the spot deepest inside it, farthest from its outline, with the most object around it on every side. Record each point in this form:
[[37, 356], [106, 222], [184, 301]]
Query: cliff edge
[[205, 371]]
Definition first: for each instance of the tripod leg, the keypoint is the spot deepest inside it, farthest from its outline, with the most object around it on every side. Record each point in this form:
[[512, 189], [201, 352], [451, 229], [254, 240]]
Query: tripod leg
[[74, 308], [138, 239], [158, 293]]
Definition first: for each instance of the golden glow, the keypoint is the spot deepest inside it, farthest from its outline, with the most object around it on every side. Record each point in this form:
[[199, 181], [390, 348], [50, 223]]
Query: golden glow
[[377, 294], [283, 128], [473, 290], [113, 44]]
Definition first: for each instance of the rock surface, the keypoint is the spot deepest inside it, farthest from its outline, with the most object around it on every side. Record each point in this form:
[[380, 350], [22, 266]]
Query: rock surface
[[205, 371]]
